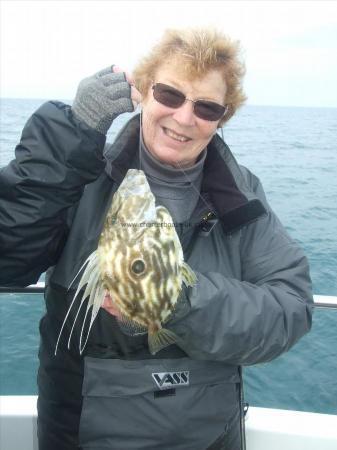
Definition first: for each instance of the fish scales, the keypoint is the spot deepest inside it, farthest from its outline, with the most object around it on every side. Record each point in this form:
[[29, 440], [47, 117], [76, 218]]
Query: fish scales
[[138, 262]]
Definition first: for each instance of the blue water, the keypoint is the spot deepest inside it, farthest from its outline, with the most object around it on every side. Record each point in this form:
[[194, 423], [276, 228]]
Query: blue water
[[294, 152]]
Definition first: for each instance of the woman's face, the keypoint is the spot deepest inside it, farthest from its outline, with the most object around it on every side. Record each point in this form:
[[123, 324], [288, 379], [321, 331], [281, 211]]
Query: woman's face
[[178, 136]]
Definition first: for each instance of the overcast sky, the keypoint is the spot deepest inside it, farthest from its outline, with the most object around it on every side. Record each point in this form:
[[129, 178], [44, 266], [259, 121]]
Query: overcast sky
[[290, 47]]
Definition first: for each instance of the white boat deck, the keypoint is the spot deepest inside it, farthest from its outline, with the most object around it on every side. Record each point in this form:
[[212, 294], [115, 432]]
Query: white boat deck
[[266, 429]]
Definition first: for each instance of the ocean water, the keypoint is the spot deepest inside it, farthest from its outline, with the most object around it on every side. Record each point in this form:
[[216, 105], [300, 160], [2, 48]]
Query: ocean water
[[294, 153]]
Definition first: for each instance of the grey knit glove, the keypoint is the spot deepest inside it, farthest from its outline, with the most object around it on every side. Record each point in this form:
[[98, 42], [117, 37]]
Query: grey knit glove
[[101, 98]]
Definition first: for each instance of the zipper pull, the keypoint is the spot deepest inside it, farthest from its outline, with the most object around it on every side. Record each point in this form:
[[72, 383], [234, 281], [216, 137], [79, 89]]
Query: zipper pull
[[208, 222]]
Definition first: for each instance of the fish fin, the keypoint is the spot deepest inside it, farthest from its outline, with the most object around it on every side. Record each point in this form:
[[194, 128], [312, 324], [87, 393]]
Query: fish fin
[[95, 301], [75, 320], [161, 339], [88, 292], [96, 304], [64, 322], [130, 327], [92, 256], [87, 276], [188, 276], [91, 267]]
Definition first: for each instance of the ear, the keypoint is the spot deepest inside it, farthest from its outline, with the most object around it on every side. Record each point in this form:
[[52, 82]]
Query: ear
[[147, 96]]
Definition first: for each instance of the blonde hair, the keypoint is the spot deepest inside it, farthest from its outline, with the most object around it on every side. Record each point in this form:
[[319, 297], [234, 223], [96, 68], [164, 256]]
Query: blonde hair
[[198, 51]]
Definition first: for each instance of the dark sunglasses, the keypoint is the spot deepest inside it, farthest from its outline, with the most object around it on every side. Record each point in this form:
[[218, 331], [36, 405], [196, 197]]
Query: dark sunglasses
[[171, 97]]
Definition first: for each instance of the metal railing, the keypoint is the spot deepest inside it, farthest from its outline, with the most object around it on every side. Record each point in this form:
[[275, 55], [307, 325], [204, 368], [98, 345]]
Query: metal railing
[[37, 288], [321, 301], [325, 301]]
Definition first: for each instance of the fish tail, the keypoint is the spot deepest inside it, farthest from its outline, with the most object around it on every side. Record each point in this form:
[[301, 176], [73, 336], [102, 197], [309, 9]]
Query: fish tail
[[160, 339]]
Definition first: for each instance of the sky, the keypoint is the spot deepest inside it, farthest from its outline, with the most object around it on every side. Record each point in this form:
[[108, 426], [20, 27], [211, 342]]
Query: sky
[[290, 47]]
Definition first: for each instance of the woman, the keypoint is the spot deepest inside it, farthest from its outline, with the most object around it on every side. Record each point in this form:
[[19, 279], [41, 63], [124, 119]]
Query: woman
[[252, 300]]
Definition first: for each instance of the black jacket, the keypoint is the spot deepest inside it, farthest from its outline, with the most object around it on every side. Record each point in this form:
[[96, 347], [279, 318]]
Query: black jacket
[[251, 303]]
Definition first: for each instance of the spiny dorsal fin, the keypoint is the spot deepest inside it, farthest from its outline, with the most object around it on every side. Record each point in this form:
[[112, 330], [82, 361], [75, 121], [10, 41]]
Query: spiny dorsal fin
[[90, 274]]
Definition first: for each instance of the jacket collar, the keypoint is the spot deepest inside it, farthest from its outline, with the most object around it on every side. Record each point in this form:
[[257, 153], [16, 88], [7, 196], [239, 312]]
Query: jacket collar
[[223, 181]]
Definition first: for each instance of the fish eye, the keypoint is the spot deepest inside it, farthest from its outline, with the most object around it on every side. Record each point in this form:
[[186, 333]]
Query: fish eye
[[138, 267]]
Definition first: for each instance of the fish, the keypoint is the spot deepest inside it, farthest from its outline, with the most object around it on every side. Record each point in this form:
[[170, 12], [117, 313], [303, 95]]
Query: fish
[[138, 262]]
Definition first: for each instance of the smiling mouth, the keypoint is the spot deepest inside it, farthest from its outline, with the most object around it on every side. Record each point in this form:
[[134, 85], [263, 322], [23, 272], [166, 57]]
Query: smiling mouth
[[176, 136]]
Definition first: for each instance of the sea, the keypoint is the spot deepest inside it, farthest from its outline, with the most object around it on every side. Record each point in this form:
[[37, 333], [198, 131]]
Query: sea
[[293, 150]]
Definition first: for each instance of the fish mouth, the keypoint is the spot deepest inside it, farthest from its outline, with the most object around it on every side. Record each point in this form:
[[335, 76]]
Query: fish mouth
[[176, 136]]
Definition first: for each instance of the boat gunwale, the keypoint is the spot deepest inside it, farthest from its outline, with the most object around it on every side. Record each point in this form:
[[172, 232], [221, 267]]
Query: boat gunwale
[[320, 301]]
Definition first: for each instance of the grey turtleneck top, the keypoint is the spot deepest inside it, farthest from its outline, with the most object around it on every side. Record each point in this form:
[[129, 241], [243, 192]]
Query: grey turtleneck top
[[176, 189]]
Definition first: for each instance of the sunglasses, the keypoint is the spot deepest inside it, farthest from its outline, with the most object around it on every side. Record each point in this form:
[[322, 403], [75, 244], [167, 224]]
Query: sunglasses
[[171, 97]]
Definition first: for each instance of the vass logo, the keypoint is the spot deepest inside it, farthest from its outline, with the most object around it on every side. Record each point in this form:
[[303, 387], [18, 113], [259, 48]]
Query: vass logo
[[167, 380]]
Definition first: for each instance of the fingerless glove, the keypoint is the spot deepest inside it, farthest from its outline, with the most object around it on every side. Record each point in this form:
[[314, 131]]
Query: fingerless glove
[[101, 98]]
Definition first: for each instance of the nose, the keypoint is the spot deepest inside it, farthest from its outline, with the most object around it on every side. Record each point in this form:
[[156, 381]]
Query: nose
[[184, 115]]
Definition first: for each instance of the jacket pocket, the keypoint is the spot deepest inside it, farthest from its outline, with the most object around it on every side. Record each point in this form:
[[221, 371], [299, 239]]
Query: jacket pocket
[[171, 404]]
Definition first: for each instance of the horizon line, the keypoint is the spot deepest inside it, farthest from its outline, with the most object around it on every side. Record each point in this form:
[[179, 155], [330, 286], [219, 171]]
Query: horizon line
[[45, 99]]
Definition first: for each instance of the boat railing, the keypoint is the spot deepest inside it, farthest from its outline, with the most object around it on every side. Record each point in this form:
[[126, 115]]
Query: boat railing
[[320, 301], [37, 288]]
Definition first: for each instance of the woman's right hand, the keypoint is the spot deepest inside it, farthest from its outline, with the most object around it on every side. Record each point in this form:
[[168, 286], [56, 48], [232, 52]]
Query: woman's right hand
[[104, 96]]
